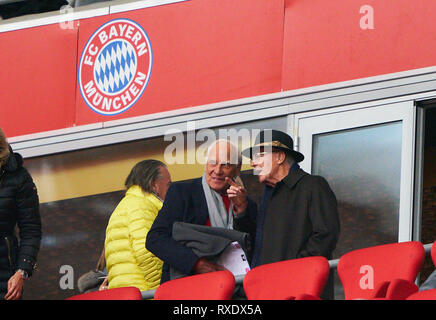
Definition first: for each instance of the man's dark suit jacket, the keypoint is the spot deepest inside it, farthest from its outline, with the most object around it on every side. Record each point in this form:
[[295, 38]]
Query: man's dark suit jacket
[[185, 201]]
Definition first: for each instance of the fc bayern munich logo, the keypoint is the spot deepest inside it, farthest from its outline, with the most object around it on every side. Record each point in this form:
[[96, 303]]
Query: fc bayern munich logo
[[115, 67]]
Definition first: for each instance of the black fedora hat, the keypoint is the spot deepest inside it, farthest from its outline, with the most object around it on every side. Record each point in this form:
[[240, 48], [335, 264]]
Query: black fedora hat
[[274, 139]]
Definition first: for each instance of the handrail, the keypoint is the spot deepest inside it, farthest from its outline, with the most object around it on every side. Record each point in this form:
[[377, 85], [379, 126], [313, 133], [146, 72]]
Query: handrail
[[149, 294], [9, 1]]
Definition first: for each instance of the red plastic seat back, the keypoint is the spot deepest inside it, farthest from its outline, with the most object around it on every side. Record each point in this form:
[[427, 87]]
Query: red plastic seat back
[[287, 279], [423, 295], [363, 271], [219, 285], [127, 293], [433, 253]]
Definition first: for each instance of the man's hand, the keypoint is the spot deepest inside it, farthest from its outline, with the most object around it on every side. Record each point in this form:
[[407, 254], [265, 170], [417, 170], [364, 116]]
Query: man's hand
[[205, 266], [238, 195], [15, 287], [104, 285]]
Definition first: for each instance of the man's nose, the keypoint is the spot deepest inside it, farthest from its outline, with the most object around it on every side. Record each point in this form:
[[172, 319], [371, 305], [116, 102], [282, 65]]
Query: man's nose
[[218, 169]]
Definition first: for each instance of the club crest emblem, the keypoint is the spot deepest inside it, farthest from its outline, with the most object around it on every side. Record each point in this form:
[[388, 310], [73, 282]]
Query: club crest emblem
[[115, 67]]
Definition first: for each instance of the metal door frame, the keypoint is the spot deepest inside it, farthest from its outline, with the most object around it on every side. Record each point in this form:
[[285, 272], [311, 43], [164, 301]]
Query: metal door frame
[[360, 115]]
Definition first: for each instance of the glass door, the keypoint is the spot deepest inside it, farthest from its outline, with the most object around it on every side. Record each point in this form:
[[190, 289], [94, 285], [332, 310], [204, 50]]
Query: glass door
[[366, 155]]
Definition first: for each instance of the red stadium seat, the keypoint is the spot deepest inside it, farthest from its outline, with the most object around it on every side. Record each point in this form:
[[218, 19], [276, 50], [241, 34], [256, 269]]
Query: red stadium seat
[[297, 279], [381, 272], [423, 295], [127, 293], [218, 285], [433, 253]]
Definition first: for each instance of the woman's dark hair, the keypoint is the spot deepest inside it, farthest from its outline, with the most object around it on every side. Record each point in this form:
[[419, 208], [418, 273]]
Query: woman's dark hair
[[144, 173]]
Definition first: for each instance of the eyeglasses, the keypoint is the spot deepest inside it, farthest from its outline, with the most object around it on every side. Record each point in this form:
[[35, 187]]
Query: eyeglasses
[[224, 165], [259, 155]]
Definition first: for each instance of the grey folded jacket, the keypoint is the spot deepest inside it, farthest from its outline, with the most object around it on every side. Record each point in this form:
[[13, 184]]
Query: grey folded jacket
[[430, 283], [205, 241]]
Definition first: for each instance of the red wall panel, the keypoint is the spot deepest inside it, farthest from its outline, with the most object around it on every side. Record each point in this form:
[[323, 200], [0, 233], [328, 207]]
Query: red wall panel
[[204, 51], [324, 43], [37, 79]]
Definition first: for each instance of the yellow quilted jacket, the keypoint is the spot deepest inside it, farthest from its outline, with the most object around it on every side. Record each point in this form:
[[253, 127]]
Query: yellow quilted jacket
[[128, 262]]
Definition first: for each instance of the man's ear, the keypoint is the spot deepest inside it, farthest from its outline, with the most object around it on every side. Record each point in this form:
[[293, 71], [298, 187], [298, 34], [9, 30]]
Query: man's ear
[[153, 185], [281, 157]]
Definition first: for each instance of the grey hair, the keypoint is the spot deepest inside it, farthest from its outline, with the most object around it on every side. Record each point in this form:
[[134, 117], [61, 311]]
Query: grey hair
[[144, 174], [233, 150], [289, 159]]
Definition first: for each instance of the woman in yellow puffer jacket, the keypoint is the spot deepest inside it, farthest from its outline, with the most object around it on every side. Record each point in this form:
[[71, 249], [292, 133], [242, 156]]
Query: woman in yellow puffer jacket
[[128, 262]]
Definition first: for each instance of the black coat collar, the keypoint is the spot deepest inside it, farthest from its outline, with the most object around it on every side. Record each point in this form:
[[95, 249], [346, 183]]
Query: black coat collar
[[14, 161], [293, 177], [200, 199]]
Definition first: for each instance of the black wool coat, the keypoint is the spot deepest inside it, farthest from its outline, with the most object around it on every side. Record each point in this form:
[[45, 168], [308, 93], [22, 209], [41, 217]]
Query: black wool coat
[[19, 206], [301, 219]]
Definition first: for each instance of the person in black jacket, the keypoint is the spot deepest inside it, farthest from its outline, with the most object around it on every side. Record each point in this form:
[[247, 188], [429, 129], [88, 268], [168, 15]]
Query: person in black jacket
[[19, 206], [213, 200], [298, 215]]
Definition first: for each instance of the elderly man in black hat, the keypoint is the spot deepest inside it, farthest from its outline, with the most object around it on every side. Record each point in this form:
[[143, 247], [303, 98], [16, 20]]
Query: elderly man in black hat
[[298, 215]]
